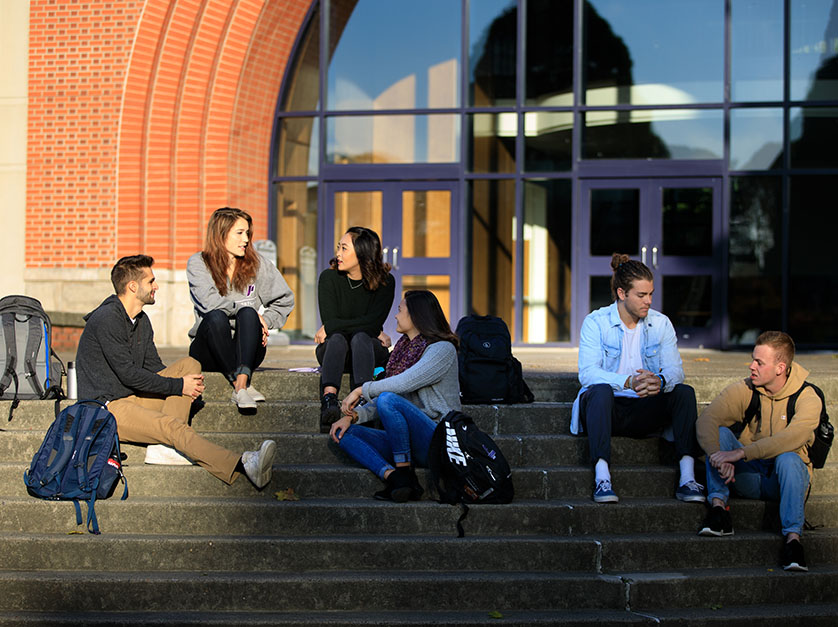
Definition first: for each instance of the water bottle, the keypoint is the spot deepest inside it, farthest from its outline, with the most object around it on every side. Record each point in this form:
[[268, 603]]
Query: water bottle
[[72, 391]]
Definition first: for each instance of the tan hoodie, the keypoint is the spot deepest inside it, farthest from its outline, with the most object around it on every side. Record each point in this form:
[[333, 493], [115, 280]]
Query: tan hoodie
[[772, 435]]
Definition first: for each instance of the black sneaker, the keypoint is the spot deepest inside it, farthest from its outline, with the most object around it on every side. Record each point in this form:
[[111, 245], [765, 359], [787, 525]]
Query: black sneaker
[[792, 558], [329, 411], [398, 487], [717, 523]]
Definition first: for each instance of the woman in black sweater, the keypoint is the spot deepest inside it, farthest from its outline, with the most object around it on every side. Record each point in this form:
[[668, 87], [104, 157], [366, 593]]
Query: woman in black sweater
[[355, 295]]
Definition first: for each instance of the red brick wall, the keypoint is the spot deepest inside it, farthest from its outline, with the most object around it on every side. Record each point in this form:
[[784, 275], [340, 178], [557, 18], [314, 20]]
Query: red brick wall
[[146, 116]]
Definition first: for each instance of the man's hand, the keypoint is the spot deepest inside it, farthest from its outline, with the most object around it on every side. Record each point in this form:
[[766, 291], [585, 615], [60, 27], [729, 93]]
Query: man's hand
[[726, 472], [385, 340], [352, 399], [320, 336], [719, 458], [193, 385], [645, 383]]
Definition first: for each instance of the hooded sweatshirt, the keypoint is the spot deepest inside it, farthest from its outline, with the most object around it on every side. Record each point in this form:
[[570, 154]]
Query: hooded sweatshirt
[[772, 434]]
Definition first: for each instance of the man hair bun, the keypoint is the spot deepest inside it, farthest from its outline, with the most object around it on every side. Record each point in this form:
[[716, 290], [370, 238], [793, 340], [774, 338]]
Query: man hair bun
[[617, 259]]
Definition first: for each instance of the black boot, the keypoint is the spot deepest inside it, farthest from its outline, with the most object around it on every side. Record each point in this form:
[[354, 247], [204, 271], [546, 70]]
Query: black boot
[[416, 489], [329, 411], [398, 487]]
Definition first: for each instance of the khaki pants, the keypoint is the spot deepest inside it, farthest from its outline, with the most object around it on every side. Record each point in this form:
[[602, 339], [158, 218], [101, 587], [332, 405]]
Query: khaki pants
[[158, 420]]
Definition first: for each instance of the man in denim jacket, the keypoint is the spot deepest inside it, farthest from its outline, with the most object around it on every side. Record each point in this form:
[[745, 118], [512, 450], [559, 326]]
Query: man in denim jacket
[[632, 380]]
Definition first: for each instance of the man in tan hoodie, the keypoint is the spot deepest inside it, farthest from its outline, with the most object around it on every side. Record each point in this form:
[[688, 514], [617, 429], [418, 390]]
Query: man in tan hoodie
[[769, 460]]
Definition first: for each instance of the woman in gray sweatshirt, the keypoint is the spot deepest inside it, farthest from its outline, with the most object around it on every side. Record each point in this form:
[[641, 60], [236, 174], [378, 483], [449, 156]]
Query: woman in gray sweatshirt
[[421, 386], [228, 283]]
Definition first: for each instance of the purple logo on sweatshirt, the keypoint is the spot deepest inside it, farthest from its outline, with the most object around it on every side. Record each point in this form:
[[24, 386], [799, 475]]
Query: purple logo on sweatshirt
[[251, 289]]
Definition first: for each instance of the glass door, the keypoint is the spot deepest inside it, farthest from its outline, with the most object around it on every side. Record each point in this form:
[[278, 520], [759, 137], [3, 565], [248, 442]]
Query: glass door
[[418, 225], [674, 227]]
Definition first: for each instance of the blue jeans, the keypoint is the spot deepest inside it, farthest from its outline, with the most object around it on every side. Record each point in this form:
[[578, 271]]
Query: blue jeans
[[406, 436], [786, 481]]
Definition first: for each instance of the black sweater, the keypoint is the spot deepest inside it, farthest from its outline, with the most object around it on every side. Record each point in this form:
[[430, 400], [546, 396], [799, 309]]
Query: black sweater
[[116, 359], [349, 311]]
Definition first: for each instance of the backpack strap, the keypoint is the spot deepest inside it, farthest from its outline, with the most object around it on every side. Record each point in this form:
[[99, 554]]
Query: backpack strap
[[33, 343], [65, 451], [11, 352], [793, 399]]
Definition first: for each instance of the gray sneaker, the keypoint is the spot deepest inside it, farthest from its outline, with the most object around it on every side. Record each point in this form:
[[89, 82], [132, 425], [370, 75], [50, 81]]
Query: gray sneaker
[[255, 394], [258, 465], [243, 400]]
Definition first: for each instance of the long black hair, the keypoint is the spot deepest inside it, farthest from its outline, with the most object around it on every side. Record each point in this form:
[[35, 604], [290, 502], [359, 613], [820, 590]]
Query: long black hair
[[367, 246], [428, 318]]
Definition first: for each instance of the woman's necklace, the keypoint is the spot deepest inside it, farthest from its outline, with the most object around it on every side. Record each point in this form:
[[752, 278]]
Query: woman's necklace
[[354, 287]]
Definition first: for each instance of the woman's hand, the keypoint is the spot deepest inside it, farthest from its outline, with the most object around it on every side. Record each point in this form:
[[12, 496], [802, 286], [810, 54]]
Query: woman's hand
[[352, 399], [264, 330], [385, 340], [341, 424], [320, 336]]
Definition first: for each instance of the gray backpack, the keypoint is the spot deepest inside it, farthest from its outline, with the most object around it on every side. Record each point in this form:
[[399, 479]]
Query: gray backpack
[[30, 368]]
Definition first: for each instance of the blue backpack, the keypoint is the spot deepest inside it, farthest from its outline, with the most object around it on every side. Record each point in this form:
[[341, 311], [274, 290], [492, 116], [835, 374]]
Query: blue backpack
[[79, 460]]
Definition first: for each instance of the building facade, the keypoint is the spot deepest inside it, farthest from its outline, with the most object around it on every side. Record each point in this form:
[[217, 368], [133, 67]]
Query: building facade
[[503, 148]]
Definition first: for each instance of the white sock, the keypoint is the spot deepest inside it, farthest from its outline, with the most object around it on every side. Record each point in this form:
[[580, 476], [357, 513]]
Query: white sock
[[687, 465], [601, 470]]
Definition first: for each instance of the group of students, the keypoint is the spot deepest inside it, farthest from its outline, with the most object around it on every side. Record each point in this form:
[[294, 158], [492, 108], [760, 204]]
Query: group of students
[[238, 296], [629, 368]]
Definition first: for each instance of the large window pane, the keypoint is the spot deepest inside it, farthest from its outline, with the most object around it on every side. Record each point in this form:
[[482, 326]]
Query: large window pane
[[302, 92], [492, 142], [687, 221], [813, 136], [296, 240], [393, 139], [756, 139], [492, 206], [492, 44], [362, 208], [297, 148], [549, 60], [814, 50], [548, 137], [813, 281], [756, 56], [755, 297], [615, 221], [646, 134], [387, 56], [653, 51], [547, 261], [426, 223]]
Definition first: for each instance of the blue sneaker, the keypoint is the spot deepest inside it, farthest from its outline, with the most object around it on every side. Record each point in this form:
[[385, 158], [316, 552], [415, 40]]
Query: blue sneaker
[[603, 492], [691, 492]]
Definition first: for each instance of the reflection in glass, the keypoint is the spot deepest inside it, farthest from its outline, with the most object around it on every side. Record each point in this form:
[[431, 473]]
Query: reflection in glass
[[814, 50], [688, 221], [492, 246], [302, 91], [813, 281], [813, 135], [649, 134], [755, 298], [297, 148], [439, 284], [548, 137], [688, 301], [492, 45], [756, 139], [385, 58], [426, 223], [547, 261], [393, 139], [549, 54], [357, 209], [615, 221], [296, 240], [653, 52], [492, 142], [756, 57]]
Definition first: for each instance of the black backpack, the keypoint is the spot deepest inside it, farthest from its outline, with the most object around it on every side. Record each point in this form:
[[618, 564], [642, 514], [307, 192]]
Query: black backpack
[[824, 432], [30, 368], [488, 371], [79, 460], [466, 466]]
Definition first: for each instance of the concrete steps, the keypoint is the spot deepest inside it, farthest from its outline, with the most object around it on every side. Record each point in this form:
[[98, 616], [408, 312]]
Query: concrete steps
[[187, 549]]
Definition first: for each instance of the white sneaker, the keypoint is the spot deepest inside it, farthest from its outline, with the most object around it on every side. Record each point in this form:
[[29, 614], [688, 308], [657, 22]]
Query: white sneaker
[[162, 455], [243, 400], [255, 394], [258, 465]]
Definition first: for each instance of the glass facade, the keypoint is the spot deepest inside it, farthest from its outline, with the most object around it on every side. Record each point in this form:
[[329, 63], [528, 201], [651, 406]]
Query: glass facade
[[694, 135]]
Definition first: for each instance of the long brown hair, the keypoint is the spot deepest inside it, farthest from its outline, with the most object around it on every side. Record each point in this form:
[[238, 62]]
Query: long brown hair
[[367, 246], [427, 316], [217, 258]]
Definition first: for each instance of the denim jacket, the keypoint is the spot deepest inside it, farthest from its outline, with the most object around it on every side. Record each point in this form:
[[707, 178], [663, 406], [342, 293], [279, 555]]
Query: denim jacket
[[600, 344]]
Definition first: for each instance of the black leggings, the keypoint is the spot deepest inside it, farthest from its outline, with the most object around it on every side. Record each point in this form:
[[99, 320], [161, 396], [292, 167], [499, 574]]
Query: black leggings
[[220, 349], [358, 356]]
